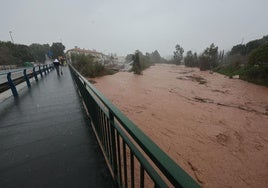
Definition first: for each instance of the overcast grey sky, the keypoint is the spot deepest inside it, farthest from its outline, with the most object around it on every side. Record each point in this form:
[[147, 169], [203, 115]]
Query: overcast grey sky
[[122, 26]]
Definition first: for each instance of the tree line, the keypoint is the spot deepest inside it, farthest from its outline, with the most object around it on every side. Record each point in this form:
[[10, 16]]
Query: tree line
[[18, 54], [249, 61], [250, 54], [142, 61]]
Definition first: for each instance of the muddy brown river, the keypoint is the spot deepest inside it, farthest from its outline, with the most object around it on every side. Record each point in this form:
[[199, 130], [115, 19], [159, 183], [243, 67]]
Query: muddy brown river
[[214, 127]]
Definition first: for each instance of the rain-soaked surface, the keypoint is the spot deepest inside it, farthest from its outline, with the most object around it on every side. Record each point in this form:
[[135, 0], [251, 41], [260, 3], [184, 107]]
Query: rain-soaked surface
[[214, 127], [46, 139]]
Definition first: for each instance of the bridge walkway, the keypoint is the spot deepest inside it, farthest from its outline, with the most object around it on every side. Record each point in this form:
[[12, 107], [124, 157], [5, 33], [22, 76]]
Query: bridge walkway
[[46, 140]]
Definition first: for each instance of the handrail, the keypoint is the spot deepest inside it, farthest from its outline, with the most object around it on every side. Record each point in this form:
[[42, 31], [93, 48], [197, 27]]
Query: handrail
[[115, 131], [11, 83], [17, 70]]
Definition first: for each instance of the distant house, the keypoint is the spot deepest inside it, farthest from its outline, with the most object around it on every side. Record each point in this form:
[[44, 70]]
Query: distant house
[[100, 57]]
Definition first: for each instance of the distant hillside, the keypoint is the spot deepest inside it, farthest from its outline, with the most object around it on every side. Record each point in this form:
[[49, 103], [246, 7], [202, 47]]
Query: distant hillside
[[246, 49], [19, 54]]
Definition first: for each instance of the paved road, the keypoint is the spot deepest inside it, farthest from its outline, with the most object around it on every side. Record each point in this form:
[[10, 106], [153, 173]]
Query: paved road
[[46, 140]]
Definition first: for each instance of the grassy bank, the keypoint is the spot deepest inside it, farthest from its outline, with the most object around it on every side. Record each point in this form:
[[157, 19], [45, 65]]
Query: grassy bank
[[254, 74]]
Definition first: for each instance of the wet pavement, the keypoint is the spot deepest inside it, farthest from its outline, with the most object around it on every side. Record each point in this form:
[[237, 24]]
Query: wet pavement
[[46, 139]]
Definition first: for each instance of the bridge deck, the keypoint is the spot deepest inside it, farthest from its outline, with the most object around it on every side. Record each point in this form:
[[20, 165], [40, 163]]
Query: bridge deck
[[46, 141]]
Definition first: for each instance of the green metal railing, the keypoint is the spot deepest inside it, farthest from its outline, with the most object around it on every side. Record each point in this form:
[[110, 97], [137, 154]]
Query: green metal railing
[[133, 159]]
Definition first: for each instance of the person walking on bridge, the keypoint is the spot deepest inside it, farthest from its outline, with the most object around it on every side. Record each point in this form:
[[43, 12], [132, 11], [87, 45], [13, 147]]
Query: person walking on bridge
[[56, 65]]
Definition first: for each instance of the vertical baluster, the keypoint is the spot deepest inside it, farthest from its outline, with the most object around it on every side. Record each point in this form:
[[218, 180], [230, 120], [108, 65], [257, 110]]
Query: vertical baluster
[[111, 128], [132, 168], [108, 138], [141, 176], [103, 132], [119, 160], [94, 113], [104, 126], [101, 127], [114, 165], [125, 164]]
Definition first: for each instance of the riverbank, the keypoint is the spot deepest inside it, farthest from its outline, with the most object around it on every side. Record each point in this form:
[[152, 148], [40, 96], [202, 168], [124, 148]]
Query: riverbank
[[254, 74], [214, 127]]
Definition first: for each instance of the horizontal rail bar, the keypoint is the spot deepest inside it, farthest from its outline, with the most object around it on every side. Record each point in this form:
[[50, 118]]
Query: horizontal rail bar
[[11, 83], [4, 86], [17, 70]]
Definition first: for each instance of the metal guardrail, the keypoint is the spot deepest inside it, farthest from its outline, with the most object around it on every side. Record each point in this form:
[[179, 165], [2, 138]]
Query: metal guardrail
[[11, 83], [133, 159]]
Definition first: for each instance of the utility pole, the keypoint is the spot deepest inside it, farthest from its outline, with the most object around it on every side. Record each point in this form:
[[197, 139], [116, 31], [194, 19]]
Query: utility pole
[[10, 33]]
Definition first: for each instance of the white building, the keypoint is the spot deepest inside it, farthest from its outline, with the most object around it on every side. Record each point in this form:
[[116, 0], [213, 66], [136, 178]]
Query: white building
[[100, 57]]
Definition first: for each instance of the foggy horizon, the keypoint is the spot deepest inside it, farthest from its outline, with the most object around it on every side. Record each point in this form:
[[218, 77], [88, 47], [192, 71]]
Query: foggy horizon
[[122, 27]]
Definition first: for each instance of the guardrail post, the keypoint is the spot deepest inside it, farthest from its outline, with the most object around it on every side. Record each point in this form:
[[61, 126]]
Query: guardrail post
[[26, 78], [12, 85], [35, 75], [40, 71]]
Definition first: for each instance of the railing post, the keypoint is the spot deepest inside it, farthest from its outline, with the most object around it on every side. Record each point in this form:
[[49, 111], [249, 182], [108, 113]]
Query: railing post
[[26, 78], [40, 71], [12, 85], [35, 75], [44, 69], [85, 85], [47, 69], [114, 158]]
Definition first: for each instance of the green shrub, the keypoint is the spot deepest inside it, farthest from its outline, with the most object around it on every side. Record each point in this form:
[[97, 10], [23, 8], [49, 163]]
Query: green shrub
[[87, 66], [140, 62]]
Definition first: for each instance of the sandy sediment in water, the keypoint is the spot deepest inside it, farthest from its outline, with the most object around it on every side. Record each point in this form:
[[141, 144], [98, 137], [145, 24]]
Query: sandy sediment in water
[[214, 127]]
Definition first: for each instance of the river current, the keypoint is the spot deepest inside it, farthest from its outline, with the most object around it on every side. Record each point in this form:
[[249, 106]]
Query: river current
[[214, 127]]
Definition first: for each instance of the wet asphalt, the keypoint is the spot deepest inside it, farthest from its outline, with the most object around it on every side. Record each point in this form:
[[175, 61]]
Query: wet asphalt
[[46, 139]]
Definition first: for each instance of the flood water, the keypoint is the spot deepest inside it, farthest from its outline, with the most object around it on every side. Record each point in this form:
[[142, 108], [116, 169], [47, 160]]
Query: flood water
[[214, 127]]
